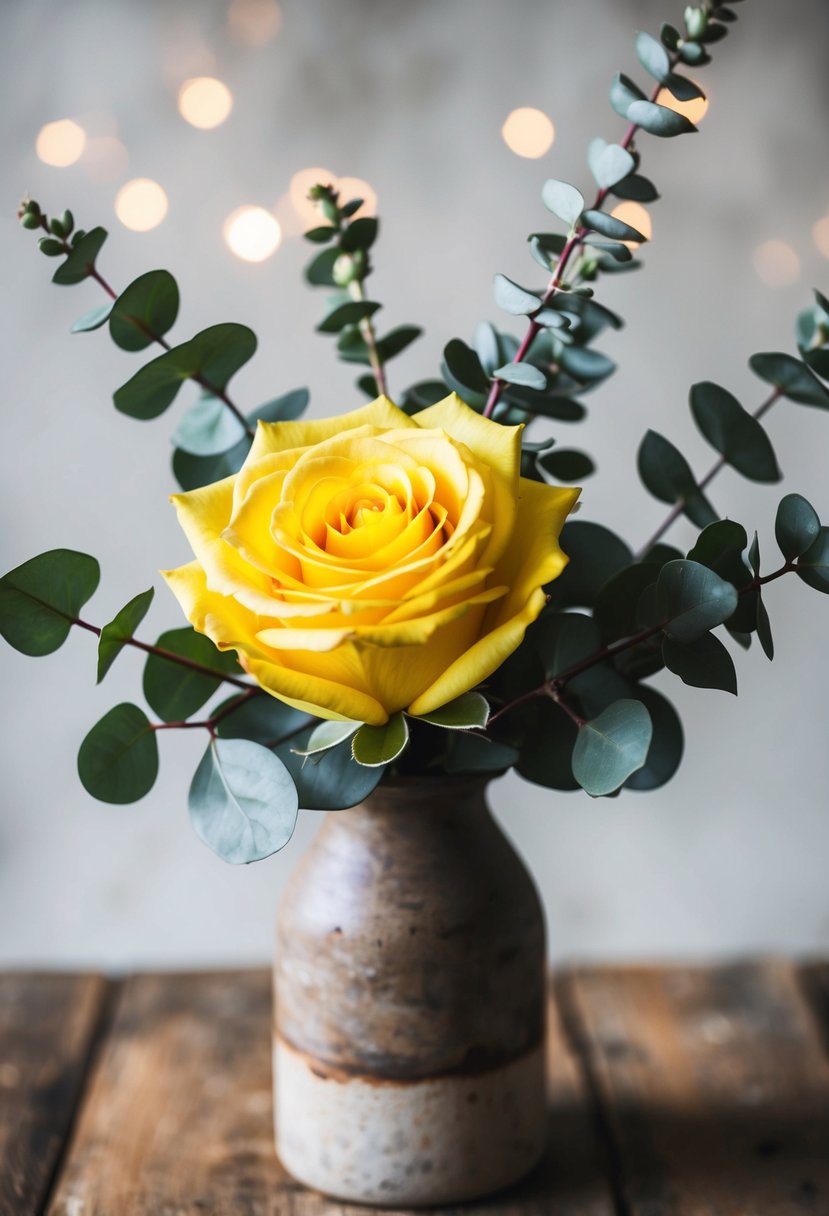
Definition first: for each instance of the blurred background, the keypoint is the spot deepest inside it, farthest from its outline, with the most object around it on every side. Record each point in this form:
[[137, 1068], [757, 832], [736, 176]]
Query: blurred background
[[161, 120]]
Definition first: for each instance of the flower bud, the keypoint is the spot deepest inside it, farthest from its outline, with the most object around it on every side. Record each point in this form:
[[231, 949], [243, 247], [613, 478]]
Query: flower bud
[[30, 219], [349, 268]]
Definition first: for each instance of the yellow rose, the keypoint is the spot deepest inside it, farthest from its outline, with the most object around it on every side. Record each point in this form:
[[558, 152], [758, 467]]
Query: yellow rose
[[373, 562]]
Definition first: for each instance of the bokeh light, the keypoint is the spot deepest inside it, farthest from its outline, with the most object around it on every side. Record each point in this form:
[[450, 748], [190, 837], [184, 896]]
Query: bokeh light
[[776, 263], [205, 102], [528, 132], [141, 204], [820, 235], [252, 233], [637, 216], [105, 159], [694, 110], [60, 143], [254, 22]]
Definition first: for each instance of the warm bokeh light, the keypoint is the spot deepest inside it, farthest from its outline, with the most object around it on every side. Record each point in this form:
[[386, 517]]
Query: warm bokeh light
[[254, 22], [252, 233], [528, 132], [205, 102], [105, 159], [60, 143], [141, 204], [820, 235], [637, 216], [692, 110], [776, 264]]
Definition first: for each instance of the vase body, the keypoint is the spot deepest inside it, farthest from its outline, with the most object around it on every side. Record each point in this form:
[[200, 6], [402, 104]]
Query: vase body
[[410, 1003]]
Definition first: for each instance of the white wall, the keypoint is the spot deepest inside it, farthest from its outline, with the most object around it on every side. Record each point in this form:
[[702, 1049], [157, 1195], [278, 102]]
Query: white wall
[[731, 856]]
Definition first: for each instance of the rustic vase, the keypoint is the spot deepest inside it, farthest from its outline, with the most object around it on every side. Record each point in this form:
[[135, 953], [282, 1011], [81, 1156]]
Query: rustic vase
[[410, 1003]]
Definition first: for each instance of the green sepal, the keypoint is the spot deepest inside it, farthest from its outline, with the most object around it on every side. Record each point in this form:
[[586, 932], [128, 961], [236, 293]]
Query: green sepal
[[469, 711], [377, 746], [327, 735]]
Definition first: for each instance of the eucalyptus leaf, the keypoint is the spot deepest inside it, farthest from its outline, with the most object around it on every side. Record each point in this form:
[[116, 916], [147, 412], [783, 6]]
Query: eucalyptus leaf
[[813, 565], [586, 365], [610, 226], [118, 759], [286, 408], [733, 432], [347, 314], [667, 475], [764, 629], [396, 341], [623, 94], [693, 599], [115, 635], [564, 200], [467, 753], [667, 744], [192, 472], [360, 234], [93, 319], [796, 527], [262, 719], [334, 781], [80, 261], [794, 379], [609, 163], [243, 803], [208, 428], [514, 299], [596, 554], [704, 663], [659, 120], [524, 374], [547, 746], [611, 747], [653, 57], [320, 270], [462, 371], [376, 746], [563, 639], [174, 691], [636, 187], [40, 599], [144, 311], [566, 464], [488, 346]]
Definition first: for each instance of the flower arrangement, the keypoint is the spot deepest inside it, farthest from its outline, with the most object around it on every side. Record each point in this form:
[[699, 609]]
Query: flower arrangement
[[400, 590]]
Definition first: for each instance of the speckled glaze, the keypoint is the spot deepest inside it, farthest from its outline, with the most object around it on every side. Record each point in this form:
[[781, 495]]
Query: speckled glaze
[[409, 984]]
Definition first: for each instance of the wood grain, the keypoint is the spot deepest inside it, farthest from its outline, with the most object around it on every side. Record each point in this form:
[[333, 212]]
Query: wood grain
[[177, 1116], [48, 1025], [714, 1086]]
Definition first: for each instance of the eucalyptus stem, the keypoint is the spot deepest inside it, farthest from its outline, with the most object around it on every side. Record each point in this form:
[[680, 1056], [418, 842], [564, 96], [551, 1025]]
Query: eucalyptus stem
[[95, 274], [555, 685], [370, 338], [182, 661], [679, 507], [574, 242]]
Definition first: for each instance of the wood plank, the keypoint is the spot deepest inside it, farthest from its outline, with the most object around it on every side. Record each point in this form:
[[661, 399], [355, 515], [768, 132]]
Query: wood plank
[[814, 983], [48, 1025], [177, 1118], [714, 1086]]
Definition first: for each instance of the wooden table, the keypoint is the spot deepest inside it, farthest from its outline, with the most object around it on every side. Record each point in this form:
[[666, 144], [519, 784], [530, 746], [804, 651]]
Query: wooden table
[[676, 1092]]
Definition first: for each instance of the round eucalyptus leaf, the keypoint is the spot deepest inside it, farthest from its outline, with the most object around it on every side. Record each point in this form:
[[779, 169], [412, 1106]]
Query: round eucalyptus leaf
[[693, 599], [514, 299], [733, 432], [665, 752], [360, 234], [564, 200], [193, 472], [623, 94], [796, 527], [175, 692], [144, 311], [466, 753], [261, 719], [609, 163], [462, 370], [596, 554], [610, 226], [611, 747], [653, 57], [639, 189], [347, 314], [615, 610], [547, 746], [282, 409], [523, 374], [208, 428], [566, 464], [488, 346], [40, 599], [331, 781], [659, 120], [667, 474], [396, 341], [319, 271], [243, 804], [563, 639], [118, 759], [586, 365]]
